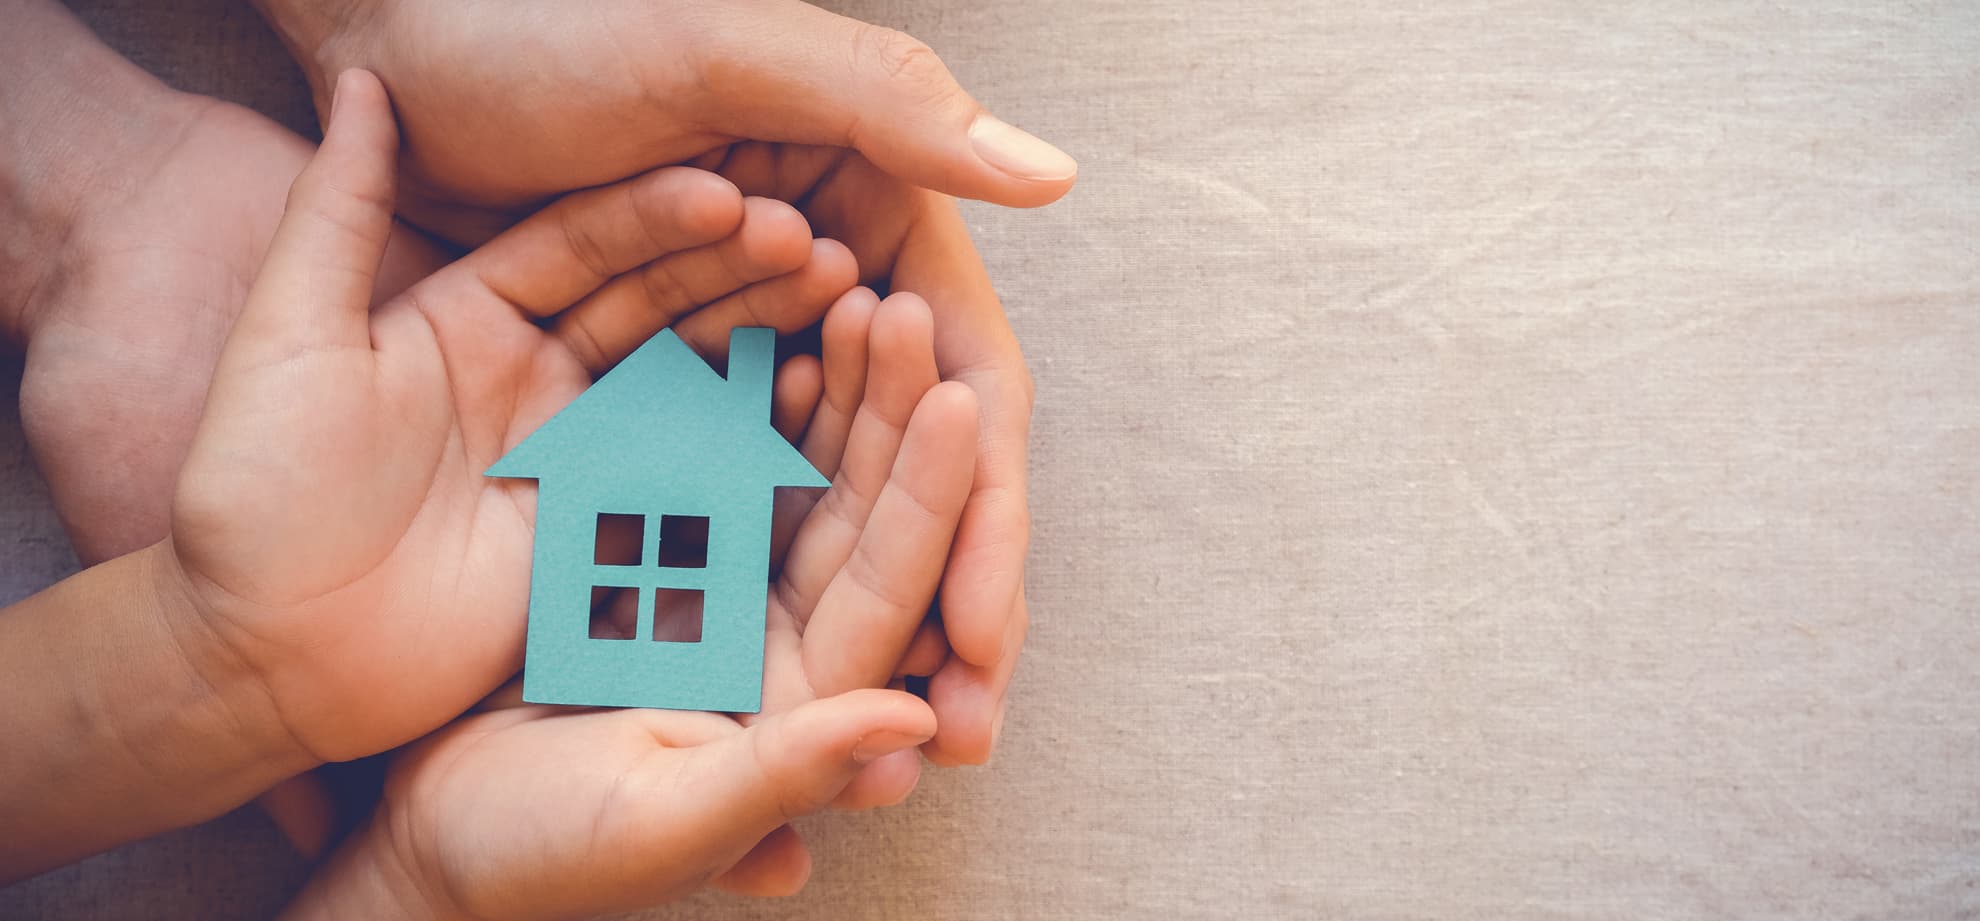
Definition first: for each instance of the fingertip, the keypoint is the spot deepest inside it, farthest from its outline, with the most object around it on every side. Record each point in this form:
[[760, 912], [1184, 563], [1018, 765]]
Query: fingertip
[[707, 206], [970, 699], [848, 320], [775, 236], [794, 397], [356, 89], [969, 714], [902, 324], [1033, 171], [905, 304], [835, 264], [953, 406], [926, 651], [360, 141]]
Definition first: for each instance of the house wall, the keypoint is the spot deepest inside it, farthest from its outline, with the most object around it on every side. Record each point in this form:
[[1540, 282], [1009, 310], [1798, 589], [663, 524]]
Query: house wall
[[723, 671]]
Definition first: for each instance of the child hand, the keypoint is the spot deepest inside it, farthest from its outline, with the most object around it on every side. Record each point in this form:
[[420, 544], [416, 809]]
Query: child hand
[[336, 536], [537, 812]]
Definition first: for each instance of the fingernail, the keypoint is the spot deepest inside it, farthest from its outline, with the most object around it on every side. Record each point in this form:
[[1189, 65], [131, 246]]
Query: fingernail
[[876, 745], [997, 725], [1016, 152], [1007, 642]]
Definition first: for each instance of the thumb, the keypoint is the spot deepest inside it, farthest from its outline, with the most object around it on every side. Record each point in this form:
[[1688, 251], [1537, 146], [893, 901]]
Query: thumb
[[784, 70], [750, 783], [314, 290]]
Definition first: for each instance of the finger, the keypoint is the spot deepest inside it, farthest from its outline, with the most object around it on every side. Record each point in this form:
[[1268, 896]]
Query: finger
[[843, 367], [750, 783], [900, 370], [567, 250], [974, 344], [303, 811], [926, 652], [786, 304], [842, 341], [820, 78], [793, 402], [794, 398], [610, 322], [886, 782], [872, 608], [778, 866], [970, 700], [314, 290]]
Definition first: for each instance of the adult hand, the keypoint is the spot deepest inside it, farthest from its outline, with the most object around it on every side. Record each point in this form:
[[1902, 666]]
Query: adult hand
[[158, 206], [502, 111]]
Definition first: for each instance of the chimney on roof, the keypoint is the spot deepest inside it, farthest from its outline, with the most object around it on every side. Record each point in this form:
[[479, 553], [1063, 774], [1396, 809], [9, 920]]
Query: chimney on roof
[[752, 365]]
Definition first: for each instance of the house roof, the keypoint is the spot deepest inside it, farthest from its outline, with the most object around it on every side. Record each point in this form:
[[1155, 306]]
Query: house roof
[[664, 419]]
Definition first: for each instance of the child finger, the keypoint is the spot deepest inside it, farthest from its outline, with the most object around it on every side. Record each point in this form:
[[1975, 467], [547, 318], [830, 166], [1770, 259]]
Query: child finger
[[314, 288], [870, 611], [926, 652], [778, 866], [794, 398], [843, 344], [793, 403], [750, 783], [900, 369], [560, 254], [303, 810], [886, 782], [786, 303], [605, 326]]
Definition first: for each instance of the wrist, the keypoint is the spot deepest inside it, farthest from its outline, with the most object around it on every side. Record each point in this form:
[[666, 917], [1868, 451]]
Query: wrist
[[138, 725], [238, 695], [81, 124]]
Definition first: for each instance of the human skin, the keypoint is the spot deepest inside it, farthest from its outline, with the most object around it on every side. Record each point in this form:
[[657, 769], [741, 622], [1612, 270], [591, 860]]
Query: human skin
[[863, 127], [133, 219], [339, 577], [662, 801]]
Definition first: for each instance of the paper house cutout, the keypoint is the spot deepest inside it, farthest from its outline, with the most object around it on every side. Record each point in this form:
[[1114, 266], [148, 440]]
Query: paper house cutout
[[661, 435]]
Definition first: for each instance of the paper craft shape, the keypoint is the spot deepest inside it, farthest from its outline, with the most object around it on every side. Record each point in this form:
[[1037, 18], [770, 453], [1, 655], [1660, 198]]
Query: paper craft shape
[[659, 438]]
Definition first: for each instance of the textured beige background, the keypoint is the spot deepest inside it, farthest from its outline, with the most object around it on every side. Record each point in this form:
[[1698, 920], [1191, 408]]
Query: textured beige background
[[1493, 459]]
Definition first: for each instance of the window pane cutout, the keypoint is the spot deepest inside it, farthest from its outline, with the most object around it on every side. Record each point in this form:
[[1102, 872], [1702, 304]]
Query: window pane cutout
[[620, 540], [683, 542]]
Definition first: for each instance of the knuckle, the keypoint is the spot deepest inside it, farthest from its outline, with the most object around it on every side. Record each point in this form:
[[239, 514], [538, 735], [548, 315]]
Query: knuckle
[[664, 289], [584, 247], [584, 344], [905, 60], [846, 503], [889, 595]]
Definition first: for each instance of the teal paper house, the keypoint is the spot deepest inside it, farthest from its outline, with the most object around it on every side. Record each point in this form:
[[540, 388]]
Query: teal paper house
[[659, 440]]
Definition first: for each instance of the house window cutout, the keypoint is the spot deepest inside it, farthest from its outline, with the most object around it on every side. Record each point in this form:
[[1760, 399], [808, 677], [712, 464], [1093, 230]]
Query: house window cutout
[[614, 612], [677, 615], [619, 540], [683, 542]]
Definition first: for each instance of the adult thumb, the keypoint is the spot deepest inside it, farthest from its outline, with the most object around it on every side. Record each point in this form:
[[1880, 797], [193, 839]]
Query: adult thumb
[[784, 70], [314, 290]]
